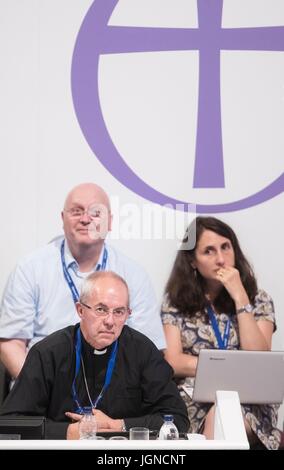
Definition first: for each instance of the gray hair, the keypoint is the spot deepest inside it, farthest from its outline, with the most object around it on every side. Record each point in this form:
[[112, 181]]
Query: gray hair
[[90, 282]]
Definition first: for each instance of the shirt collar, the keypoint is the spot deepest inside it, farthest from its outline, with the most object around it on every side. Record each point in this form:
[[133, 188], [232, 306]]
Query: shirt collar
[[71, 261]]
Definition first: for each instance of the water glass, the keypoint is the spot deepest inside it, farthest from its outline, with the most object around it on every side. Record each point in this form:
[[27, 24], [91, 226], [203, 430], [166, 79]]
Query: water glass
[[118, 438], [195, 436], [87, 427], [139, 434]]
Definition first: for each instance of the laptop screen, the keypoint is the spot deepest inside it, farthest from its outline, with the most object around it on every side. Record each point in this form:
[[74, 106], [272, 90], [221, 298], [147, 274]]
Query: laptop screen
[[258, 376]]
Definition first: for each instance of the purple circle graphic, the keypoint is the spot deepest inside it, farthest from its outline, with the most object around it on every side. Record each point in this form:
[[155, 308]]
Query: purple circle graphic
[[96, 38]]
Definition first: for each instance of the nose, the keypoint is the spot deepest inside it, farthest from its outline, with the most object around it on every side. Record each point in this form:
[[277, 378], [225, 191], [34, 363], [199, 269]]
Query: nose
[[109, 319], [85, 217], [220, 258]]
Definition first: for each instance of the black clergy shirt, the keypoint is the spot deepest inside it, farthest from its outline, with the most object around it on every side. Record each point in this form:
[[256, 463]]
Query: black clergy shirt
[[141, 389]]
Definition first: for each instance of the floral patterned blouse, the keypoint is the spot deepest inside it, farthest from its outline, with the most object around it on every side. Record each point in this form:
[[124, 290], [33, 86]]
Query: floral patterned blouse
[[196, 335]]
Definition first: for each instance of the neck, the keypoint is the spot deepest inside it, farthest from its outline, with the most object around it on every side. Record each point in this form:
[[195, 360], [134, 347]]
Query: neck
[[213, 289], [94, 344], [87, 256]]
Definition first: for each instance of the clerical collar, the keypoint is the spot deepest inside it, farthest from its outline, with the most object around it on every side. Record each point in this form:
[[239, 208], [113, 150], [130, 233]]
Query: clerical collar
[[100, 352], [90, 350]]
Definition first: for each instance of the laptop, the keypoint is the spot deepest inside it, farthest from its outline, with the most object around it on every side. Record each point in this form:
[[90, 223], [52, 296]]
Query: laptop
[[258, 376]]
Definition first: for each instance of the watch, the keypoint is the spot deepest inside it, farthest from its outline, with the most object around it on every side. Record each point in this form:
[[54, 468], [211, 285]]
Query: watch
[[245, 308], [123, 427]]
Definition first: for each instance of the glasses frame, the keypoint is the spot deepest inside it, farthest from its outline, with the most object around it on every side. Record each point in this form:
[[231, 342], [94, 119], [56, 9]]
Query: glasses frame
[[99, 214], [109, 311]]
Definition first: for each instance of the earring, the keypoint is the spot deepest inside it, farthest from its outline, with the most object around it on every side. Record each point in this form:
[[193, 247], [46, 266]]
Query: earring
[[195, 272]]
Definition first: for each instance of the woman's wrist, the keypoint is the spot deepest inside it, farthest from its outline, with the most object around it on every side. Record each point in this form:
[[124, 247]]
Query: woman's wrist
[[241, 299]]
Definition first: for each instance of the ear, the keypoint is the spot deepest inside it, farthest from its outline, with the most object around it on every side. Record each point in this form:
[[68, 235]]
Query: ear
[[79, 309], [193, 265], [62, 218], [110, 219]]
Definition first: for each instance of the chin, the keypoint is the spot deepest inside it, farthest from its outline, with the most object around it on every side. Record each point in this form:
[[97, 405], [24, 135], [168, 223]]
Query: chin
[[84, 237], [101, 346], [104, 343]]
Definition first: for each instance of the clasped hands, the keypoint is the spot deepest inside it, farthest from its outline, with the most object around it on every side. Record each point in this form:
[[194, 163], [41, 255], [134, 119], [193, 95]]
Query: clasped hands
[[104, 423]]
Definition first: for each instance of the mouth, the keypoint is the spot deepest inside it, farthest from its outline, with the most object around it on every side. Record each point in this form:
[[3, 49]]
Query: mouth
[[83, 230]]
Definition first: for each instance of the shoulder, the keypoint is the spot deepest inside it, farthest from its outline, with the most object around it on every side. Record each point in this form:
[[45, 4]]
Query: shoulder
[[169, 314], [137, 340], [262, 297], [42, 255], [140, 352], [61, 340], [134, 274], [122, 261], [264, 306]]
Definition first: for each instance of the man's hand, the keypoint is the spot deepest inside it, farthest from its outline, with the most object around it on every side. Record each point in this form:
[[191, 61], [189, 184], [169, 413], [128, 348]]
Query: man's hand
[[73, 416], [105, 423], [73, 429]]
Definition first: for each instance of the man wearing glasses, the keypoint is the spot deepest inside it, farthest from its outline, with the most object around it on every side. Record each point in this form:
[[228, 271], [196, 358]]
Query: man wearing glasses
[[41, 293], [99, 365]]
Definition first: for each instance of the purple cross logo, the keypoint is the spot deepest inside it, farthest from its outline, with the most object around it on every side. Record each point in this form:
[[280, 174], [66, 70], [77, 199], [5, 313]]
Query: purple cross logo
[[96, 37]]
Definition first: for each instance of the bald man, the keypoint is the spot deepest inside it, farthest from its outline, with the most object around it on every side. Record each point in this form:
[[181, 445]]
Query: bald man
[[42, 291]]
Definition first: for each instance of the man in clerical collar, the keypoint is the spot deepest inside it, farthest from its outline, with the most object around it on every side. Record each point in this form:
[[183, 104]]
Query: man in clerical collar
[[101, 365]]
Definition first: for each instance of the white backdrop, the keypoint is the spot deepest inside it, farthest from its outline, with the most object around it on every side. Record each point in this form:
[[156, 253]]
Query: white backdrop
[[44, 153]]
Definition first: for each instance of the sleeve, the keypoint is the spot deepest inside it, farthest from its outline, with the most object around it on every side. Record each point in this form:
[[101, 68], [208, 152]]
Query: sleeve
[[145, 316], [30, 394], [160, 394], [170, 315], [18, 306], [264, 308]]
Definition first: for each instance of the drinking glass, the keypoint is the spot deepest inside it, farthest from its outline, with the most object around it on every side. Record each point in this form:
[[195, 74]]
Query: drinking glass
[[139, 433], [195, 436]]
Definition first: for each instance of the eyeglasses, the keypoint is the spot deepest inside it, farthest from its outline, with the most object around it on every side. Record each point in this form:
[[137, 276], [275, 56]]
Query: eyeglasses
[[78, 212], [104, 311]]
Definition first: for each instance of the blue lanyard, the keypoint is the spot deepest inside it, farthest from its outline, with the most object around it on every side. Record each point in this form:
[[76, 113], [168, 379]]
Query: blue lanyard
[[222, 342], [68, 278], [109, 371]]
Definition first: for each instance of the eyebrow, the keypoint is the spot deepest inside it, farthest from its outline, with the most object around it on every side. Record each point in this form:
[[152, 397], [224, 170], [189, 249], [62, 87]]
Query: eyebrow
[[209, 247], [212, 247], [74, 206], [106, 306], [77, 204]]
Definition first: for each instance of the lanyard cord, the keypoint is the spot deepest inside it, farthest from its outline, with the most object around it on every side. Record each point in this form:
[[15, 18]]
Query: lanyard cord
[[222, 342], [67, 276], [79, 360], [86, 383]]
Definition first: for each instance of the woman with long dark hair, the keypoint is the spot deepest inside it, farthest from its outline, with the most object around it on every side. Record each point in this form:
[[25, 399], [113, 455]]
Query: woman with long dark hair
[[212, 301]]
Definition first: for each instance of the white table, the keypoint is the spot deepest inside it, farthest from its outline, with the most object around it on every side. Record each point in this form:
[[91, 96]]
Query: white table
[[229, 433]]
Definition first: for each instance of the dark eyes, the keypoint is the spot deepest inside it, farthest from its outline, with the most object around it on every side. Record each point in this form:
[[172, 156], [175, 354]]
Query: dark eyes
[[224, 247]]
